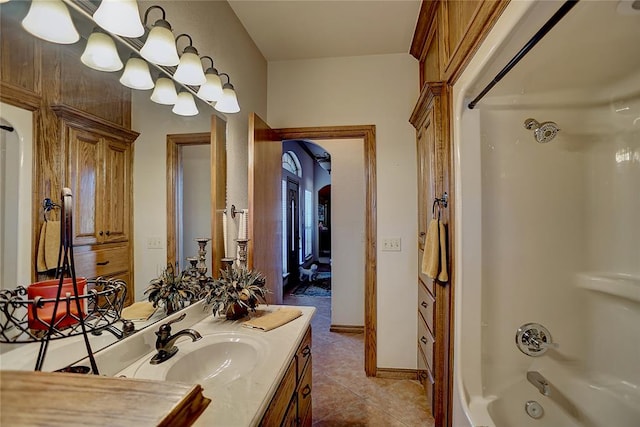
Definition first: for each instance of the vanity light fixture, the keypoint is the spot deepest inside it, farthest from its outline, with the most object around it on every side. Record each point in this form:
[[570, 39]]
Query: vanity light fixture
[[189, 70], [165, 92], [136, 74], [119, 17], [50, 20], [160, 47], [229, 101], [185, 105], [101, 53], [211, 90]]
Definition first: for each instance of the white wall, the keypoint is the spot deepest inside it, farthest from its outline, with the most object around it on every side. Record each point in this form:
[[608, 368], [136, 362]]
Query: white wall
[[379, 90], [348, 197], [216, 32]]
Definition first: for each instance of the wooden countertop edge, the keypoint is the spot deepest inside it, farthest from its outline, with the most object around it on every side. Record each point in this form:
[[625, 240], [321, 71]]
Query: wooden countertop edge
[[30, 398]]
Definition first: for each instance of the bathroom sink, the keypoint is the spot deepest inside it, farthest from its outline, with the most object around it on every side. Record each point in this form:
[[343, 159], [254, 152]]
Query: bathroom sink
[[215, 360]]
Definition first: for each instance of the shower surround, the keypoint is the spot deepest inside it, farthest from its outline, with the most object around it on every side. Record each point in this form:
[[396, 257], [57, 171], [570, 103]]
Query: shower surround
[[549, 233]]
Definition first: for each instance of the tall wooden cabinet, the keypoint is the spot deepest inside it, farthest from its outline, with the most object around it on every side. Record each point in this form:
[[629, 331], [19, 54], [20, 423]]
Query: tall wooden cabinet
[[98, 158], [447, 34], [430, 118]]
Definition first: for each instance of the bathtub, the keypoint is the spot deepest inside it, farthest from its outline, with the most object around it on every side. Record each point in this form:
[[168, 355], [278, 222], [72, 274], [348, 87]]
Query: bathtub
[[575, 400], [548, 232]]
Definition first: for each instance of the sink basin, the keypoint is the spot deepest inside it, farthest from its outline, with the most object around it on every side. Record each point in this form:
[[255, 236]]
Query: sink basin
[[215, 360]]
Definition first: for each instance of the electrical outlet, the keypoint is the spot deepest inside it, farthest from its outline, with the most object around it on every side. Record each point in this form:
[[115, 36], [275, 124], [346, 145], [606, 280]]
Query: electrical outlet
[[154, 243], [393, 244]]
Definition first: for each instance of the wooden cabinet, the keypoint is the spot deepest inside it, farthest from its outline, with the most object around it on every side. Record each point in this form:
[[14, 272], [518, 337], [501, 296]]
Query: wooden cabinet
[[98, 171], [447, 34], [431, 120], [291, 405]]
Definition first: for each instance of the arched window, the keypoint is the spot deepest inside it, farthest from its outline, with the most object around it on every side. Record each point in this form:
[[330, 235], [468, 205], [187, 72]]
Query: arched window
[[291, 163]]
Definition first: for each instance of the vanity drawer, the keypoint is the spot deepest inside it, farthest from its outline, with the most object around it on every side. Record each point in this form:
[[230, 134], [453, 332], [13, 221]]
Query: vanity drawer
[[425, 376], [425, 340], [304, 394], [303, 354], [426, 304], [426, 280], [102, 262]]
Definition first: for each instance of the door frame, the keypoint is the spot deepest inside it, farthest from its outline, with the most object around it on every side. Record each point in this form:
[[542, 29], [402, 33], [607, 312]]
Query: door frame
[[368, 134], [218, 163]]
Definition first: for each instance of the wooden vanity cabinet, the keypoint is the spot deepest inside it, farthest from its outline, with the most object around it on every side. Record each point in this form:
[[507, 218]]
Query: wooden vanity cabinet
[[99, 159], [291, 405]]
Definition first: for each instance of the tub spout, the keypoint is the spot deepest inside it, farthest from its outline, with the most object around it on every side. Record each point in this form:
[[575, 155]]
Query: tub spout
[[540, 382]]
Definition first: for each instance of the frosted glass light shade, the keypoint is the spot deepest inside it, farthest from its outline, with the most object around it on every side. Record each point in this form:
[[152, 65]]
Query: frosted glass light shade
[[189, 70], [229, 101], [50, 21], [136, 74], [164, 92], [100, 53], [211, 90], [160, 47], [185, 105], [119, 17]]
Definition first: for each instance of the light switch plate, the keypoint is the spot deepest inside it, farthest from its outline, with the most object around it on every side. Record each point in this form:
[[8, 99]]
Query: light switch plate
[[154, 243], [392, 244]]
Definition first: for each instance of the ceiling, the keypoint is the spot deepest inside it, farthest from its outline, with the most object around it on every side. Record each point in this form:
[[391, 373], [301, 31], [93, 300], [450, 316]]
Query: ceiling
[[306, 29]]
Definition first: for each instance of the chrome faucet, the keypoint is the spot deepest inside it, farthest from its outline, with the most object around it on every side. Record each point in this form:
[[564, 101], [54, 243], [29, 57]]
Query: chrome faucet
[[540, 382], [165, 343]]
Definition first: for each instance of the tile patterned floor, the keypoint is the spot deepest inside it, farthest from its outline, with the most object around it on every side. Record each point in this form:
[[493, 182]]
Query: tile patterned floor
[[342, 394]]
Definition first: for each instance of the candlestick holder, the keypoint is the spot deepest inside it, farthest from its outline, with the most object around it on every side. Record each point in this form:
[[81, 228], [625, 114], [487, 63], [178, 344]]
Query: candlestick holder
[[201, 265], [242, 251]]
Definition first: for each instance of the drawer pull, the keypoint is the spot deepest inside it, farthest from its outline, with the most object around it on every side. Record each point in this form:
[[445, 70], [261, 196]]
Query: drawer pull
[[306, 351], [102, 263], [424, 340], [306, 391], [101, 233], [108, 233], [424, 304]]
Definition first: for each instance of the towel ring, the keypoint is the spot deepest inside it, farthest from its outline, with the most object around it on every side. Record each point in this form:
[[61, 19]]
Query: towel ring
[[48, 205], [442, 202]]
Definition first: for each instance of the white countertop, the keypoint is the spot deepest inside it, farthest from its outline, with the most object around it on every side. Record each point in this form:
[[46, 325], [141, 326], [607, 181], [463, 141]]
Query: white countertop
[[243, 401]]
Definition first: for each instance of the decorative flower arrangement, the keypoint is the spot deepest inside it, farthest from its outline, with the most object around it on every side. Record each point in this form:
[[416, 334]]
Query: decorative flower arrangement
[[237, 291], [171, 289]]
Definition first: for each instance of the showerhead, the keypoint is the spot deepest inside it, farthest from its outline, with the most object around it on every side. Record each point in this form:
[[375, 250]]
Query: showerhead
[[543, 132]]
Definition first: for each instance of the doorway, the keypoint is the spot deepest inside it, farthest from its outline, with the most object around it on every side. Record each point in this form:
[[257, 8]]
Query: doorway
[[215, 196], [265, 152], [292, 215]]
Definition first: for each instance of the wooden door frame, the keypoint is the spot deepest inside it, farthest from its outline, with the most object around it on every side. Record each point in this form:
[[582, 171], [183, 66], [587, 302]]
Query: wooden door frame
[[368, 134], [217, 139]]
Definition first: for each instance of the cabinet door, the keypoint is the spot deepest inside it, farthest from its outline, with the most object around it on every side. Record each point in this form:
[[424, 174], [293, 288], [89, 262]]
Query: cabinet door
[[83, 176], [426, 175], [117, 191]]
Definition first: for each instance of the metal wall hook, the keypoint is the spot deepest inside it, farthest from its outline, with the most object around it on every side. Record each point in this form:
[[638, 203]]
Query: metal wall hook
[[441, 202]]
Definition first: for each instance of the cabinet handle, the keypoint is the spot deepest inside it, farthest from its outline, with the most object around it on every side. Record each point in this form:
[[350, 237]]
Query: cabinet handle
[[102, 263], [424, 340], [306, 391], [101, 233], [422, 234], [306, 351], [108, 232], [424, 304]]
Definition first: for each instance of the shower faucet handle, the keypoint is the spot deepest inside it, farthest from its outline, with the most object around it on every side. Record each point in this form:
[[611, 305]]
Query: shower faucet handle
[[534, 339]]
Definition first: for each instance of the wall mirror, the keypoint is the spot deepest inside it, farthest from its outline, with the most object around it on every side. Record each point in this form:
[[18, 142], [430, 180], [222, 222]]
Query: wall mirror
[[48, 82]]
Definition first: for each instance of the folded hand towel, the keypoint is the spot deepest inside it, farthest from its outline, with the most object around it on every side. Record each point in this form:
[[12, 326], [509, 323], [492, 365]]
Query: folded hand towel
[[141, 310], [431, 255], [443, 276], [52, 244], [274, 319]]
